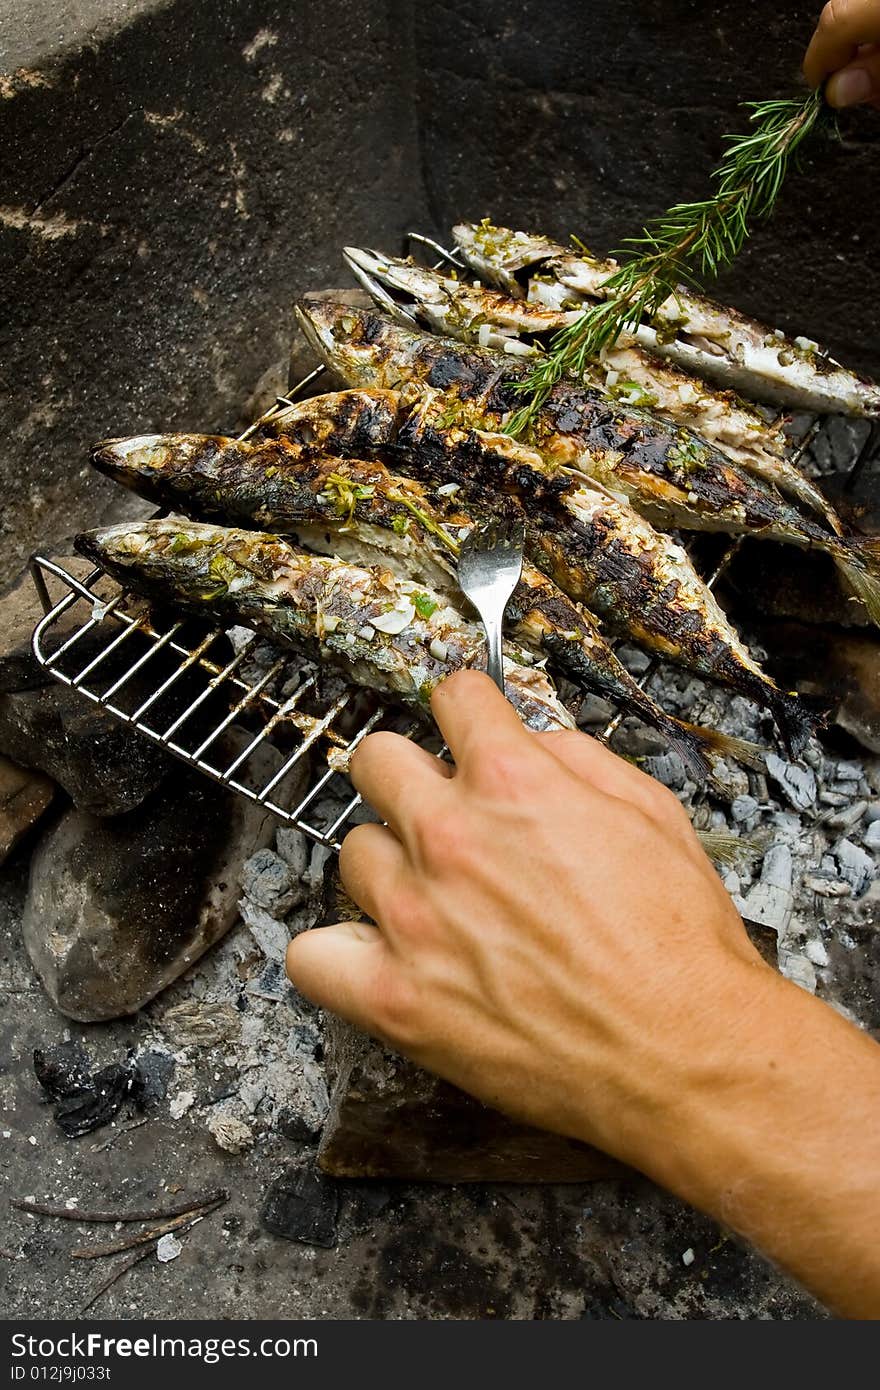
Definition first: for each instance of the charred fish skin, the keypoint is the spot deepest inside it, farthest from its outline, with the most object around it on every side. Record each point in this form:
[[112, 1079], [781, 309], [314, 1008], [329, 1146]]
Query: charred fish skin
[[693, 331], [626, 373], [671, 474], [384, 633], [604, 555], [358, 422], [358, 511]]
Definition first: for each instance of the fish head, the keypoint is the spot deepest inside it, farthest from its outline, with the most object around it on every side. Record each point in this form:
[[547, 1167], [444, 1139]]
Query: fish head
[[348, 422], [189, 560], [501, 256], [150, 463], [360, 345], [129, 544], [397, 286]]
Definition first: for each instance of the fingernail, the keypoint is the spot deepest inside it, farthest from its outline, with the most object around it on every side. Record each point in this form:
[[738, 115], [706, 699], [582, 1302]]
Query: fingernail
[[850, 87]]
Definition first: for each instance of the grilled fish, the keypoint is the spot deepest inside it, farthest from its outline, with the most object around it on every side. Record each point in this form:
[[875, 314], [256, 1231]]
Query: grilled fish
[[385, 633], [596, 549], [629, 374], [600, 552], [360, 512], [670, 474], [697, 334]]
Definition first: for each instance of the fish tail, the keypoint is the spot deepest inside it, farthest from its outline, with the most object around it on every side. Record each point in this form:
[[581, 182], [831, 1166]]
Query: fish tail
[[858, 560], [718, 745], [725, 850], [685, 740], [796, 723]]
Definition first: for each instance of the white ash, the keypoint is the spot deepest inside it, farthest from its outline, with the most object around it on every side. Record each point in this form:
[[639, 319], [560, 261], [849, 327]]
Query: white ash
[[270, 934], [847, 816], [871, 836], [228, 1131], [855, 866], [168, 1248], [797, 783], [268, 882]]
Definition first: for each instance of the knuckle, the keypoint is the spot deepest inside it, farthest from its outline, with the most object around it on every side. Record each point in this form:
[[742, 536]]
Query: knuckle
[[503, 771], [443, 841], [664, 802]]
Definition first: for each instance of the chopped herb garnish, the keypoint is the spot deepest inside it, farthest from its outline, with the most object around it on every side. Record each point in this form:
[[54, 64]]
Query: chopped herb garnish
[[424, 605]]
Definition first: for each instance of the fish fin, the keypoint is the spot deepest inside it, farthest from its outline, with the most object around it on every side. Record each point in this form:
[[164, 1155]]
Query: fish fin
[[727, 850], [858, 559], [685, 740], [796, 723], [720, 745]]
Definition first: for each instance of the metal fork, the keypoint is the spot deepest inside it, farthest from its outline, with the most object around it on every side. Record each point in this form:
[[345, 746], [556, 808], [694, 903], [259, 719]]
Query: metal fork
[[489, 568]]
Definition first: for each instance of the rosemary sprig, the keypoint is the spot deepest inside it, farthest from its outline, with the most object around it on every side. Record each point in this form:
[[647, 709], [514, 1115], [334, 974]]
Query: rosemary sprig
[[691, 239]]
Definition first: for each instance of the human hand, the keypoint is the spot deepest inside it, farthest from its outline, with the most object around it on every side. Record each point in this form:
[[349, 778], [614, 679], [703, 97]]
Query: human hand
[[551, 936], [845, 49]]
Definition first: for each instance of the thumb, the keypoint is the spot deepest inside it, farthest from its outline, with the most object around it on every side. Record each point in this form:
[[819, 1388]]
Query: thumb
[[340, 967], [855, 84]]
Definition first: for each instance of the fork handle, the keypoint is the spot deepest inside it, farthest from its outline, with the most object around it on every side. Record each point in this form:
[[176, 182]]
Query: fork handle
[[494, 662]]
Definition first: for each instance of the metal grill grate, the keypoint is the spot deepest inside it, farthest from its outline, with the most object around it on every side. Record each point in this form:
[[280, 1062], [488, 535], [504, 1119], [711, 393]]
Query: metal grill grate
[[185, 687]]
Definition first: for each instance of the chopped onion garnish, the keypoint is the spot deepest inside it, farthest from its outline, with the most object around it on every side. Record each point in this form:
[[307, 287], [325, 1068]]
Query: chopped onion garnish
[[484, 334], [518, 349], [448, 489], [438, 649], [612, 378], [367, 632], [396, 619]]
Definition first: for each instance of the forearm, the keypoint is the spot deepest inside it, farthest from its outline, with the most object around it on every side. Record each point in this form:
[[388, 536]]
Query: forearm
[[770, 1122]]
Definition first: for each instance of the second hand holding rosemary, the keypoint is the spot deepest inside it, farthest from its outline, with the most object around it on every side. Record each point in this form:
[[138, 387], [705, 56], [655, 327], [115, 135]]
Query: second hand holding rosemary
[[691, 239]]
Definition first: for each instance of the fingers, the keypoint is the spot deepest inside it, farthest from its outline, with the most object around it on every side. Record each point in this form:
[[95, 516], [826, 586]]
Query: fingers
[[470, 709], [371, 861], [594, 763], [856, 84], [843, 27], [341, 968], [395, 776]]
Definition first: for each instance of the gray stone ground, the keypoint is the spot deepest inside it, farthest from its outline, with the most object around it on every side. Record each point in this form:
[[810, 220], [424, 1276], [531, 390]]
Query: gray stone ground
[[404, 1251]]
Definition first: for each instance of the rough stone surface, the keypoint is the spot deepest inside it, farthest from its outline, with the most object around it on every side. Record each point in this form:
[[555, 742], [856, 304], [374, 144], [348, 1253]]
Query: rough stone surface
[[24, 797], [105, 768], [118, 908], [206, 162]]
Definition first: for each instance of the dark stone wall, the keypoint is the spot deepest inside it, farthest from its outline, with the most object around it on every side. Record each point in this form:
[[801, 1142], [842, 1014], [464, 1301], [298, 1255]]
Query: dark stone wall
[[163, 195], [166, 190], [573, 117]]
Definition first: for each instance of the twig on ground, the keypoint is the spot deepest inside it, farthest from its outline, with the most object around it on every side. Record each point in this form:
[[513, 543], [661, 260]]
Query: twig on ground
[[94, 1252], [126, 1129], [122, 1268], [182, 1208]]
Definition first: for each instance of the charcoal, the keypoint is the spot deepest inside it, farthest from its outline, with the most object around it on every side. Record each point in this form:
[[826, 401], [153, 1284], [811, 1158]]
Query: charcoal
[[302, 1205], [85, 1100], [61, 1070]]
